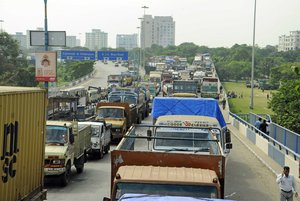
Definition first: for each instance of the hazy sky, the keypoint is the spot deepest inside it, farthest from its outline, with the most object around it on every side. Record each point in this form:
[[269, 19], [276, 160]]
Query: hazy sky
[[213, 23]]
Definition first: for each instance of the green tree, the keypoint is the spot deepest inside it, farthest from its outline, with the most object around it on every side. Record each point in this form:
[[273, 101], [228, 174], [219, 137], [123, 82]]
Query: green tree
[[286, 105]]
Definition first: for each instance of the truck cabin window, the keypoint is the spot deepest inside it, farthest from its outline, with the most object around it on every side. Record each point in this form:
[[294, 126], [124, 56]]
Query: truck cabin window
[[110, 113], [166, 189], [56, 135], [130, 99], [116, 99]]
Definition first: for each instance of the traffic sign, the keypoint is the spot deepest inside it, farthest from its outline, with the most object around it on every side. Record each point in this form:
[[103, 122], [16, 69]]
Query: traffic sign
[[112, 55], [78, 55]]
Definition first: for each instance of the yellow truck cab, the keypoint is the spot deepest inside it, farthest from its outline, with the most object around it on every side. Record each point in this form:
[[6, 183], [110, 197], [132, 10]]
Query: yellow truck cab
[[67, 144], [120, 115]]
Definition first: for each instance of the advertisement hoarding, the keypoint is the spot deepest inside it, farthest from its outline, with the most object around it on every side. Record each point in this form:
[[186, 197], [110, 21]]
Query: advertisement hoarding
[[45, 66]]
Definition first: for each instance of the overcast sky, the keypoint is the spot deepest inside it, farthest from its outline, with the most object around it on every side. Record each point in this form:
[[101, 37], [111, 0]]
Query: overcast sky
[[214, 23]]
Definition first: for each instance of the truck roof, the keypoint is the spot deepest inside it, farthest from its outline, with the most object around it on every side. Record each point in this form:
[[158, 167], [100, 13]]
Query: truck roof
[[58, 123], [167, 174], [188, 120]]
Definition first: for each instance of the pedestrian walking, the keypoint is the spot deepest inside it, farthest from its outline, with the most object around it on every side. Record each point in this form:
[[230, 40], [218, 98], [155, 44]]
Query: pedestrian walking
[[263, 126], [224, 103], [287, 185], [257, 123]]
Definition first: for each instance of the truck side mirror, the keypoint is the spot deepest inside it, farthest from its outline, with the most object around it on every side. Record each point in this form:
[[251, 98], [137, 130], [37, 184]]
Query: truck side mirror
[[106, 199], [227, 136], [149, 135], [71, 136], [228, 146]]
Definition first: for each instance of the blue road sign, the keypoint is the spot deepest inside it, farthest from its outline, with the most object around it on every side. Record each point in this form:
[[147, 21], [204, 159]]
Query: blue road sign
[[112, 55], [78, 55]]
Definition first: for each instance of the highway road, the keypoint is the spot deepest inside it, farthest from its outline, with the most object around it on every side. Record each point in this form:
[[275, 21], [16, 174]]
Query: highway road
[[247, 178]]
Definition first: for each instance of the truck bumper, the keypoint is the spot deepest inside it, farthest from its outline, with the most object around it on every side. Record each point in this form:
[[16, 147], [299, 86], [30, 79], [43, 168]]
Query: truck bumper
[[117, 135], [54, 171]]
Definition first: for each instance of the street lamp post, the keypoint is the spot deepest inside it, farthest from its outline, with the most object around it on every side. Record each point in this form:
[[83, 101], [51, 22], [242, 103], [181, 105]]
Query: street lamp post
[[140, 58], [46, 35], [1, 30], [252, 67], [144, 36]]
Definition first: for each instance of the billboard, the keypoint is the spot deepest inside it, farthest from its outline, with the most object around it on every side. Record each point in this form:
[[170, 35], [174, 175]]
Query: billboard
[[55, 38], [45, 66]]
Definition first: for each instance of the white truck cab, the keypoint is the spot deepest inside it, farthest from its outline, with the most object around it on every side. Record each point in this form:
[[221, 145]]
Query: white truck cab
[[100, 139]]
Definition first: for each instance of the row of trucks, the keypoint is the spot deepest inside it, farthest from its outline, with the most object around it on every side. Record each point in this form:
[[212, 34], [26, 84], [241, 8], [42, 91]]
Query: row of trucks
[[182, 154], [68, 143], [125, 107]]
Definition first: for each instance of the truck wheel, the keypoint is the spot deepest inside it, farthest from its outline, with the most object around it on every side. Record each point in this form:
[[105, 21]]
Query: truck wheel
[[107, 149], [101, 153], [79, 167], [65, 177], [140, 118]]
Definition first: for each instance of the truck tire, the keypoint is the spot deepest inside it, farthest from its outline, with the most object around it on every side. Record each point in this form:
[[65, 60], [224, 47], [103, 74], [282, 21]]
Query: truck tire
[[65, 177], [101, 153], [139, 118], [107, 148], [80, 165]]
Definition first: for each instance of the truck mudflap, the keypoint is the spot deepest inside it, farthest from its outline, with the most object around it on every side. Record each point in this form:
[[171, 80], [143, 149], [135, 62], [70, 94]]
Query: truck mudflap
[[38, 195], [163, 159]]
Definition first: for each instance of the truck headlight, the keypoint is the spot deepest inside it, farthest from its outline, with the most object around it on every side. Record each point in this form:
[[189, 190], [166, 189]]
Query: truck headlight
[[58, 161]]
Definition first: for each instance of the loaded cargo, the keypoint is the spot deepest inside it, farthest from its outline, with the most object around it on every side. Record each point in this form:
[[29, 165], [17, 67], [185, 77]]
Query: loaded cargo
[[22, 142]]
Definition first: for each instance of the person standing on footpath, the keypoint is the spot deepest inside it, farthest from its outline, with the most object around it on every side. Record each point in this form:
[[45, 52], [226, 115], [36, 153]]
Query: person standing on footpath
[[287, 185]]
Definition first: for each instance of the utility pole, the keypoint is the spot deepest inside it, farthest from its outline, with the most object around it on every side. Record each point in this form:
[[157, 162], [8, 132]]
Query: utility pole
[[252, 67], [144, 36]]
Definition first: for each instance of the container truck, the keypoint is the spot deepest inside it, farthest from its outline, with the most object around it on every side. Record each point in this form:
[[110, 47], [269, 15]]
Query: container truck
[[22, 142]]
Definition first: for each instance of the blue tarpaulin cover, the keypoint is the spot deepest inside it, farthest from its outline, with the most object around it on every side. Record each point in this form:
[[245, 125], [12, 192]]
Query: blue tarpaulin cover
[[187, 106], [142, 197]]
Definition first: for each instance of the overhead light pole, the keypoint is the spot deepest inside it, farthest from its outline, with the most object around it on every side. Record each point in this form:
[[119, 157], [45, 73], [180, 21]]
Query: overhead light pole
[[140, 53], [1, 30], [252, 67], [144, 36]]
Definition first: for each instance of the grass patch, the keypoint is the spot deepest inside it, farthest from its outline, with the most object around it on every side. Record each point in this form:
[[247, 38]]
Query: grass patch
[[241, 105]]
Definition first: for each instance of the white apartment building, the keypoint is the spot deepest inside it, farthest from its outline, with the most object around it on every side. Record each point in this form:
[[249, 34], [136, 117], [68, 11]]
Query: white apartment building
[[96, 39], [159, 30], [127, 41], [21, 38], [291, 42]]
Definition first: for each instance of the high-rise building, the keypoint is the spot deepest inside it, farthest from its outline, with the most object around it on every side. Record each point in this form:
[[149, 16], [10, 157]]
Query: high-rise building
[[291, 42], [96, 39], [159, 30], [21, 38], [70, 41], [127, 41]]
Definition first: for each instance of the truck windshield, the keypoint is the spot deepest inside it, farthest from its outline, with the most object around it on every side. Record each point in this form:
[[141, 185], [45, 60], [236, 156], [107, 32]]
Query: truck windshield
[[110, 113], [185, 145], [166, 189], [114, 99], [56, 134], [130, 99], [95, 131]]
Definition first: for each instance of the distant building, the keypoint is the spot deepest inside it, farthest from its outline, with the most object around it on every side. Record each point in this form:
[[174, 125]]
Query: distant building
[[291, 42], [96, 39], [71, 41], [21, 38], [127, 41], [159, 30]]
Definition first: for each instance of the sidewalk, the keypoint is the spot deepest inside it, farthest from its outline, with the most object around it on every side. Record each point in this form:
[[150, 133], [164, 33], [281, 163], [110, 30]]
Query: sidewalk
[[274, 167]]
